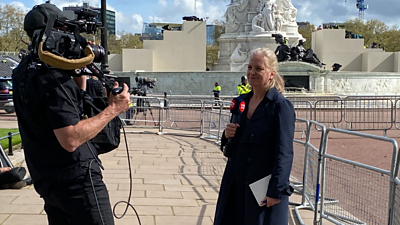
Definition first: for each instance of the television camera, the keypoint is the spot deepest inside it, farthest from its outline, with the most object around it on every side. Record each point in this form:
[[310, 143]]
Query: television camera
[[144, 85], [60, 45], [63, 38]]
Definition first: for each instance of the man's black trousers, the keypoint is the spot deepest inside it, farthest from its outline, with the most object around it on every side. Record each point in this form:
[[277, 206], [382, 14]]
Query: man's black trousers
[[76, 203]]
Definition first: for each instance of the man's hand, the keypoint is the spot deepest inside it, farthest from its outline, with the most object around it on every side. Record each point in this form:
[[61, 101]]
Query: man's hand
[[4, 169], [119, 103], [269, 201]]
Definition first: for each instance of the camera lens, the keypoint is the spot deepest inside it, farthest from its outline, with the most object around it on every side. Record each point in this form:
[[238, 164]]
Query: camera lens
[[99, 53]]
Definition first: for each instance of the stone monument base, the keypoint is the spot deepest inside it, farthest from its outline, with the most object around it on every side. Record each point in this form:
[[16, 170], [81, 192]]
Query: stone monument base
[[235, 47]]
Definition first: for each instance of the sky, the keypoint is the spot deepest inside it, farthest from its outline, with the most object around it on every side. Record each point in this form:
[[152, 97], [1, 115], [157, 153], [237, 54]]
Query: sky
[[132, 13]]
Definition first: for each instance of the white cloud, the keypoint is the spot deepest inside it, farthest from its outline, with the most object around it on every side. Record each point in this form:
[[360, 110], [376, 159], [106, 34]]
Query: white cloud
[[162, 2], [20, 5], [214, 9], [155, 19], [137, 23]]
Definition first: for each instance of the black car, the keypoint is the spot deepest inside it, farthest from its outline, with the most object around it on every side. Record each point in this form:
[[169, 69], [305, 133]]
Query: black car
[[6, 98]]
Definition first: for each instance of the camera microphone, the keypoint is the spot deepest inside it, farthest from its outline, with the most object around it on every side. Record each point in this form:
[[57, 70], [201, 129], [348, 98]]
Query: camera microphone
[[237, 108]]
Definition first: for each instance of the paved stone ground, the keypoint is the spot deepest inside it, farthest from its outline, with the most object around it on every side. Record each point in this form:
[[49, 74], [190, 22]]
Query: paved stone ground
[[175, 179]]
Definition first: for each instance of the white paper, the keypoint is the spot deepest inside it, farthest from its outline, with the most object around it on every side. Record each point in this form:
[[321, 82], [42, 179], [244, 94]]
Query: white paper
[[260, 188]]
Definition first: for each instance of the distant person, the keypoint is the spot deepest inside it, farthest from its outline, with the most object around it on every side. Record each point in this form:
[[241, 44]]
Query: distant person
[[244, 87], [319, 27], [12, 178], [286, 41], [336, 67], [217, 90]]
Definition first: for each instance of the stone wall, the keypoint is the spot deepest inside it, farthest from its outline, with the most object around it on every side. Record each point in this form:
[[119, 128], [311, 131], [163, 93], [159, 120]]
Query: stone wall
[[320, 81]]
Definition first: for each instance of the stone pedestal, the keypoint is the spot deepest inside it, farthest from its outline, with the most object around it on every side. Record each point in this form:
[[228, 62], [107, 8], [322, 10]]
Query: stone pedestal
[[244, 15], [248, 41]]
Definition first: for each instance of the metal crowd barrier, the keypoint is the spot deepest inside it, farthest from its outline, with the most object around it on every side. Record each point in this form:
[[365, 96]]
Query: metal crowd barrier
[[185, 115], [364, 193], [298, 167], [216, 117], [356, 113], [312, 173], [334, 188], [146, 112], [395, 217], [303, 110], [397, 114]]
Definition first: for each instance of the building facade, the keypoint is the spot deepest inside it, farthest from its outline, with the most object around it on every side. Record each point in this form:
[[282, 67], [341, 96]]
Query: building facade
[[210, 29], [110, 16]]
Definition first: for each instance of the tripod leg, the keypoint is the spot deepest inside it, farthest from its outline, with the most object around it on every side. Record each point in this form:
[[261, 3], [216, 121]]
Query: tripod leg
[[151, 113]]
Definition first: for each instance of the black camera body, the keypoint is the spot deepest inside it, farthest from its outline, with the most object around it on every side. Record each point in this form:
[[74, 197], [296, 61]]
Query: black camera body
[[63, 38], [144, 84]]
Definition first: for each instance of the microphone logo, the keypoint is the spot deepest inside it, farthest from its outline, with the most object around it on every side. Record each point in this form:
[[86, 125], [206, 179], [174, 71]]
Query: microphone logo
[[233, 104], [242, 106]]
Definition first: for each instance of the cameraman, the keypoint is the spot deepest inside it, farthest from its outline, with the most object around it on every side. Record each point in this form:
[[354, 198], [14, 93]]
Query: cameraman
[[60, 157]]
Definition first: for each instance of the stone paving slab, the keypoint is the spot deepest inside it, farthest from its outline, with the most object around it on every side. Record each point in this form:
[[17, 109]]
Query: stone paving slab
[[175, 181]]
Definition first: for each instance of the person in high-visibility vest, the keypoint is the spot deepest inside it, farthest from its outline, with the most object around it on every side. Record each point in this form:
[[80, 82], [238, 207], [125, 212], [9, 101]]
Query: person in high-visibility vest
[[217, 90], [244, 87]]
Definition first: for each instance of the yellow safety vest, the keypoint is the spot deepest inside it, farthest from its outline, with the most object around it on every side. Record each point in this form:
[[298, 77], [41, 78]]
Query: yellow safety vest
[[243, 89], [217, 88]]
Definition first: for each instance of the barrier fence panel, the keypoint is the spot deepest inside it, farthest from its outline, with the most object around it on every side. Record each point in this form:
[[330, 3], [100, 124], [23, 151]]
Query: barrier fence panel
[[312, 99], [216, 116], [303, 110], [145, 112], [396, 203], [312, 168], [363, 192], [298, 167], [397, 114], [329, 112], [184, 114], [369, 113]]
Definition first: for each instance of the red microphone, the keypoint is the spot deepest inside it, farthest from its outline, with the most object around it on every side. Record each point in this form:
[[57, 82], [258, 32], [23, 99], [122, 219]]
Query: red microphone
[[237, 108]]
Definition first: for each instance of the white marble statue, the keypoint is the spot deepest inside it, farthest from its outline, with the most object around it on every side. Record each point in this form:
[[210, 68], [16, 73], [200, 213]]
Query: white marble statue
[[256, 23], [238, 55], [278, 22], [287, 10], [266, 8], [232, 13]]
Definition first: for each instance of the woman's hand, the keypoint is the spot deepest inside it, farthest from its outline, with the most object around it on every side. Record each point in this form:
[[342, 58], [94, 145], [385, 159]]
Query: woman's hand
[[269, 201], [230, 130]]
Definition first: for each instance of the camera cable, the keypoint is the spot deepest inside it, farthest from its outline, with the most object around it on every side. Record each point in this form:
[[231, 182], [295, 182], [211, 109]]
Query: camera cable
[[128, 204]]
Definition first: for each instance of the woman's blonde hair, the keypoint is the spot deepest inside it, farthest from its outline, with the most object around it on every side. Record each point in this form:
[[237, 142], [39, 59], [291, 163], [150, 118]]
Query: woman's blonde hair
[[272, 63]]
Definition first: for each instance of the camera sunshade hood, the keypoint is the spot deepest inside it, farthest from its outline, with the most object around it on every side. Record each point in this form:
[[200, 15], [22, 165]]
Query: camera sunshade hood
[[63, 63]]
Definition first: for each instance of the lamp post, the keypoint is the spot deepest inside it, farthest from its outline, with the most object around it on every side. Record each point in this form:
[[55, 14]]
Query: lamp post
[[104, 63]]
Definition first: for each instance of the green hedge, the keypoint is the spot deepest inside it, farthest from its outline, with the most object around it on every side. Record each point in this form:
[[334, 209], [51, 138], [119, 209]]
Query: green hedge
[[15, 140]]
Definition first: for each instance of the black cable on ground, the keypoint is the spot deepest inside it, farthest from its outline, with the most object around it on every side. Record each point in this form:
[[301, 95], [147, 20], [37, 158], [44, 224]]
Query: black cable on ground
[[128, 204]]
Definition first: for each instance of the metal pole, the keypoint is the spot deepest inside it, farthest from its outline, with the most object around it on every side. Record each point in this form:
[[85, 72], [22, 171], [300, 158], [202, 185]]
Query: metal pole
[[10, 146], [104, 63]]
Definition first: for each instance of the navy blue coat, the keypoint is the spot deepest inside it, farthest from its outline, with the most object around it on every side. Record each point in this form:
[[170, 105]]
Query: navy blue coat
[[263, 146]]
